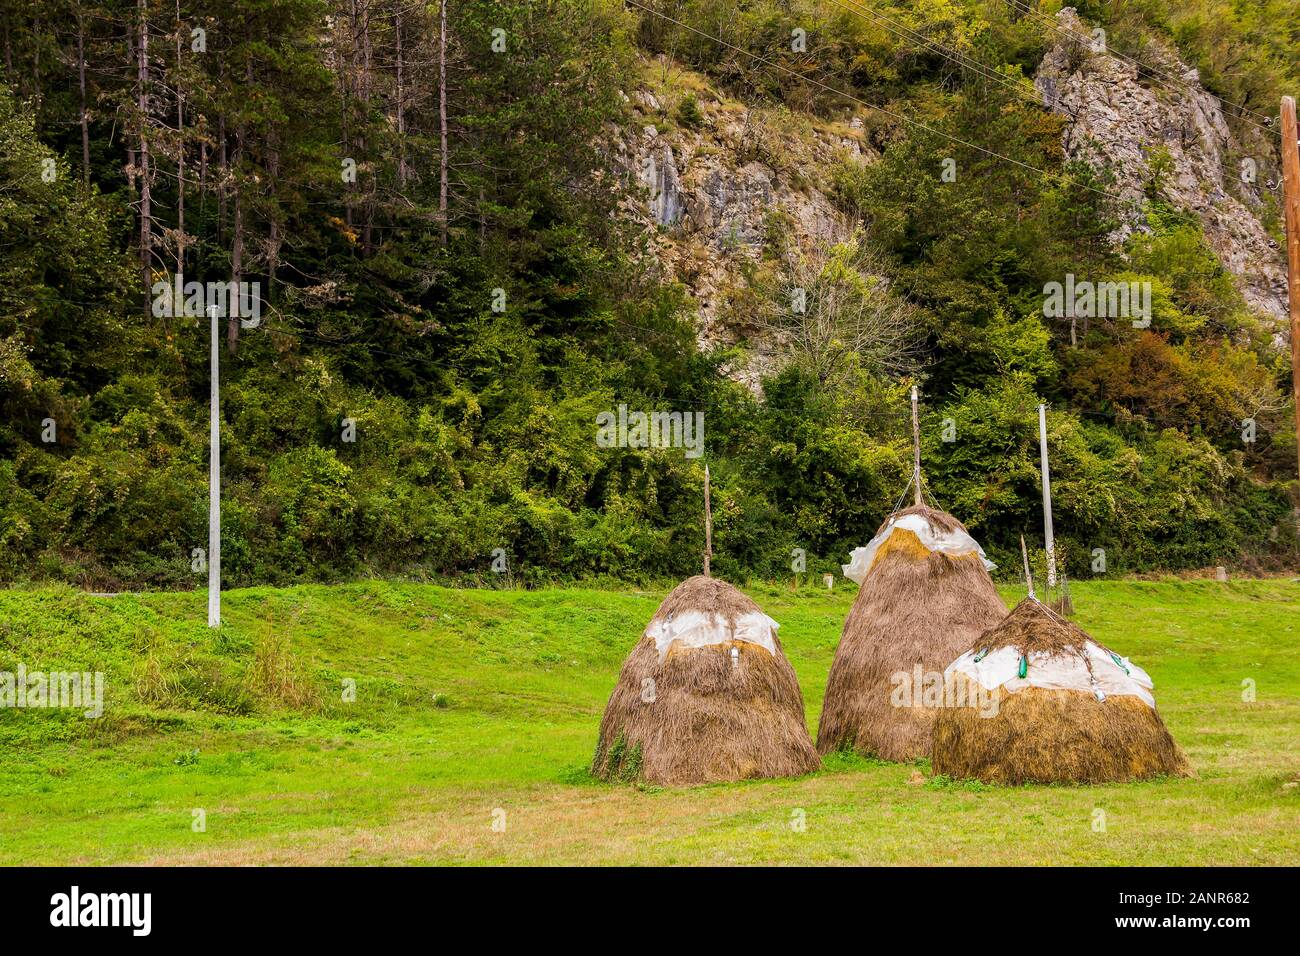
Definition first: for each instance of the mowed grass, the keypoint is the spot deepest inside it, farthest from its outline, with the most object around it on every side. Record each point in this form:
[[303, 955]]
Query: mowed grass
[[475, 706]]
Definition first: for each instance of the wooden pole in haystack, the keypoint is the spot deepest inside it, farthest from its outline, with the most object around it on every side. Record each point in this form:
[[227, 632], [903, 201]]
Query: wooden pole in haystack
[[1049, 539], [1291, 181], [916, 449], [1029, 578], [708, 523]]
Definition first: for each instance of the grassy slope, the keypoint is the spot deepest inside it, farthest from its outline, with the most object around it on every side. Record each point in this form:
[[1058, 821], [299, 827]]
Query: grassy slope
[[250, 727]]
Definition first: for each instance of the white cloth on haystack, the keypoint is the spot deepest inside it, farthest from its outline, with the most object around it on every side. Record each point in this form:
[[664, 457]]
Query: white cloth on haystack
[[702, 628], [1056, 670], [954, 542]]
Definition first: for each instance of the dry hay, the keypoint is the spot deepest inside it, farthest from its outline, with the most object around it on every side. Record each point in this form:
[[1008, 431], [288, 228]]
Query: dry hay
[[1033, 626], [916, 609], [1040, 735], [710, 720]]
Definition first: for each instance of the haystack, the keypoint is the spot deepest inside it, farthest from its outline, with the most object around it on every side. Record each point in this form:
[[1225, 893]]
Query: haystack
[[706, 696], [1036, 700], [925, 596]]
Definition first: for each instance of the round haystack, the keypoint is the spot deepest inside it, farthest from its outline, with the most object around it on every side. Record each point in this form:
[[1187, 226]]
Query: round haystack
[[1036, 700], [706, 696], [925, 596]]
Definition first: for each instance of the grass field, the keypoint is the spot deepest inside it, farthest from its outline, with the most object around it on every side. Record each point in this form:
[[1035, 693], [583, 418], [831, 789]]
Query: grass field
[[475, 705]]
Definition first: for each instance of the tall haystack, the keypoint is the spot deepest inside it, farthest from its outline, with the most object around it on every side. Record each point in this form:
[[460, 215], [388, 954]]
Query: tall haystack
[[1036, 700], [706, 696], [925, 596]]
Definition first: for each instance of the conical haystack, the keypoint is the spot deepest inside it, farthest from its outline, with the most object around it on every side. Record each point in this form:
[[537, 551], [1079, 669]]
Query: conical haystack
[[706, 696], [925, 596], [1036, 700]]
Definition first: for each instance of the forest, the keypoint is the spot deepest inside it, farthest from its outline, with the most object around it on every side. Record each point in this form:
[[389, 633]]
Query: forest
[[449, 295]]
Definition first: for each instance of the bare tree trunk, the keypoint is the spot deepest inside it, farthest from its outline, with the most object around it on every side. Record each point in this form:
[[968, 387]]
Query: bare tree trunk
[[236, 275], [273, 238], [180, 153], [81, 85], [348, 74], [401, 106], [36, 72], [146, 189], [237, 244], [442, 123], [367, 244], [223, 169]]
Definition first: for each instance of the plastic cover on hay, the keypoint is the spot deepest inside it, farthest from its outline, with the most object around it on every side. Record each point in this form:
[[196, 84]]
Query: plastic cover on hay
[[1057, 670], [948, 542], [702, 628]]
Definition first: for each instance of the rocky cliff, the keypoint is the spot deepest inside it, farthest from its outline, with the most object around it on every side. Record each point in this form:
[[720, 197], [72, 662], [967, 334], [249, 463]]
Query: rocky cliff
[[719, 181], [1118, 113]]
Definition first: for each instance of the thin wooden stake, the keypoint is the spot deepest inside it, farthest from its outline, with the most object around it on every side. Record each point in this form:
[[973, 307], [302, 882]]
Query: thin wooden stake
[[1029, 578], [916, 449], [708, 523], [1067, 605], [1049, 539], [1291, 179]]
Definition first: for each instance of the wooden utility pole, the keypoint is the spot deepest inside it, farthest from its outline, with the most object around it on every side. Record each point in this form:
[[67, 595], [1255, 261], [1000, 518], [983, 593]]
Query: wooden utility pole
[[708, 523], [1291, 179], [1049, 539], [916, 450]]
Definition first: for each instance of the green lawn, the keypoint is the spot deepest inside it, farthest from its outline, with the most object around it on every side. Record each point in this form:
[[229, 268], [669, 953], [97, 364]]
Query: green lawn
[[469, 701]]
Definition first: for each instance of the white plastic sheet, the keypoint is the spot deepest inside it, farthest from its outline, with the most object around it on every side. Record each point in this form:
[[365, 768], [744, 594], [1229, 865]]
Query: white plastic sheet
[[702, 628], [1056, 670], [952, 542]]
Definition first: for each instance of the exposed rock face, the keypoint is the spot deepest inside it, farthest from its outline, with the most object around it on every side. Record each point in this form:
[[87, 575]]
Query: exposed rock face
[[660, 178], [719, 189], [714, 195], [1116, 118]]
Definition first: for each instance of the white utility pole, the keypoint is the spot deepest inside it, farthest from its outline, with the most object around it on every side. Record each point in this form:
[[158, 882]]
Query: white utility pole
[[1048, 538], [214, 482]]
